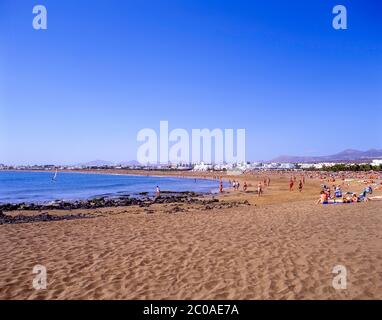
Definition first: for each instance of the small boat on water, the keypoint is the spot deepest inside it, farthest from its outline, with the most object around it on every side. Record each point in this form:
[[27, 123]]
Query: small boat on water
[[55, 175]]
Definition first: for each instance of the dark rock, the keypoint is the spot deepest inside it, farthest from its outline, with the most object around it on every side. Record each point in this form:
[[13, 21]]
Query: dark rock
[[5, 219], [102, 202]]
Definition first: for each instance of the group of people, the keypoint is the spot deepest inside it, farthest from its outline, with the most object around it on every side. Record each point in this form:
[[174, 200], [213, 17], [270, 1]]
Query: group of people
[[235, 185], [260, 185], [335, 195], [293, 180]]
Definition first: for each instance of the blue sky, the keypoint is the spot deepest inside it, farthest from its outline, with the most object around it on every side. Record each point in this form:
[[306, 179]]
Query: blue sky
[[82, 89]]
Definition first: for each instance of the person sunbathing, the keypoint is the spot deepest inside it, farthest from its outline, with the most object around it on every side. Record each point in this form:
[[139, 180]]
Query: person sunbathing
[[346, 200], [323, 198], [338, 192]]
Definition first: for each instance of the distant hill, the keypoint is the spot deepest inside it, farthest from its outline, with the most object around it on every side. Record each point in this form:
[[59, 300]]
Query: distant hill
[[101, 163], [96, 163], [346, 155], [130, 163]]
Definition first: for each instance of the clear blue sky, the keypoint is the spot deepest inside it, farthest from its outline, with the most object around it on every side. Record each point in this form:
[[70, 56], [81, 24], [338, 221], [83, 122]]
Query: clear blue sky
[[103, 70]]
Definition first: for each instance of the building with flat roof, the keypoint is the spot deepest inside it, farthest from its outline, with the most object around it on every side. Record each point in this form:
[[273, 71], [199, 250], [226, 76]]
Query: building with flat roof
[[376, 162]]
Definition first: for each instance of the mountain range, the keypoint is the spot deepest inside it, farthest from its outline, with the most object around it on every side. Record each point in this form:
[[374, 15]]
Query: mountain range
[[346, 155]]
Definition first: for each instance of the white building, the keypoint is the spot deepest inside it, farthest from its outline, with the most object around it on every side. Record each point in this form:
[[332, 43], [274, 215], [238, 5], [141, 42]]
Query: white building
[[288, 166], [203, 167], [306, 165], [271, 165], [319, 165], [256, 165], [376, 162], [243, 166], [220, 167]]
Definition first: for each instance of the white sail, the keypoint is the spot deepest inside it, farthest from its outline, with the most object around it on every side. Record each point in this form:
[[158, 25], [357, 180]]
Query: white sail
[[55, 176]]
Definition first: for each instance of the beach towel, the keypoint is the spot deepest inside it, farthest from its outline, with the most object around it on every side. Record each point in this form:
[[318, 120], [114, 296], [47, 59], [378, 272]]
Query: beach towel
[[375, 198]]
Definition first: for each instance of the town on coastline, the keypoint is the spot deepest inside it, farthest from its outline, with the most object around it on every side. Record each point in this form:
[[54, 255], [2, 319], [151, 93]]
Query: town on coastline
[[244, 167]]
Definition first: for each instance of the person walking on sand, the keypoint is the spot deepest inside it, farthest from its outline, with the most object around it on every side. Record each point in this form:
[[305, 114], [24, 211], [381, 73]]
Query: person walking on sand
[[291, 185], [245, 186], [300, 186], [157, 193], [259, 189]]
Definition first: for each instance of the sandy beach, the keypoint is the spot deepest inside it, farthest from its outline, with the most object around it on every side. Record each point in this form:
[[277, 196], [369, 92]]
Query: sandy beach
[[279, 246], [190, 150]]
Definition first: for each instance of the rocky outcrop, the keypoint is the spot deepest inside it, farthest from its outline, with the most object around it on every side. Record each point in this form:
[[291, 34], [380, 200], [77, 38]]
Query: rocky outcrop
[[104, 202], [43, 217], [176, 198]]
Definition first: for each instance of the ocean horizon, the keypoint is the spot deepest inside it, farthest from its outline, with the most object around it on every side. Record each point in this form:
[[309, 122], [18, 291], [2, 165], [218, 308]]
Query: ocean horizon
[[41, 187]]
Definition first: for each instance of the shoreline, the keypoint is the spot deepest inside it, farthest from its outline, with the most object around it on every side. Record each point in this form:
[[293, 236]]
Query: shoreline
[[350, 181], [113, 195]]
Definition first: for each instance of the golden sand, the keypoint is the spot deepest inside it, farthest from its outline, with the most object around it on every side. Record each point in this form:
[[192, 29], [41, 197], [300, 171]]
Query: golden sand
[[282, 246]]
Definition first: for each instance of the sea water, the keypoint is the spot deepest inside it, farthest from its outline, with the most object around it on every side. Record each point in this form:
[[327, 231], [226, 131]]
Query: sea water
[[40, 187]]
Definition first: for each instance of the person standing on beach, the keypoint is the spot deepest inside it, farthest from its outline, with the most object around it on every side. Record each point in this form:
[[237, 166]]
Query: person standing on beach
[[157, 193], [300, 186], [245, 186], [291, 183], [328, 192], [259, 189]]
